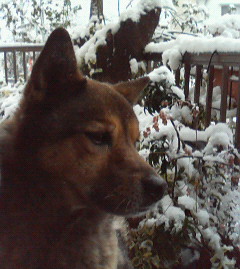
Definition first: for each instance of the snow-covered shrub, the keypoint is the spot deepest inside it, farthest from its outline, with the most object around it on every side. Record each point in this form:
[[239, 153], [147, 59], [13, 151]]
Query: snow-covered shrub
[[197, 222], [185, 18], [33, 21], [227, 26], [9, 99]]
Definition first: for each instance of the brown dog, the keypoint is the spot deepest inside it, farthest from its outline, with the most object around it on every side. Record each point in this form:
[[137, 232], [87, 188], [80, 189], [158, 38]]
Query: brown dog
[[69, 166]]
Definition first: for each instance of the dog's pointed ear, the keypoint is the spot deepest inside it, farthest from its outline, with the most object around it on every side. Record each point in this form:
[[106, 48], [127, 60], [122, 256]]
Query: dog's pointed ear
[[131, 89], [56, 64]]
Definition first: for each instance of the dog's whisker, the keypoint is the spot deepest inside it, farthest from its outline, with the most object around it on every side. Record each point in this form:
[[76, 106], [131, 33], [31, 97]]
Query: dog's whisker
[[128, 203], [109, 196], [117, 207]]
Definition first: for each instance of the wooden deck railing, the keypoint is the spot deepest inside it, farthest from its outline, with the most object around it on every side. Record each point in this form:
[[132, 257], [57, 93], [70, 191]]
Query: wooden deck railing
[[17, 58], [225, 61]]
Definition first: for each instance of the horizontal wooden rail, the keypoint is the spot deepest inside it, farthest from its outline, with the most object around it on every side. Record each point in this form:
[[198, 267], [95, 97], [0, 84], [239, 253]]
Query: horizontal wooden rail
[[16, 58]]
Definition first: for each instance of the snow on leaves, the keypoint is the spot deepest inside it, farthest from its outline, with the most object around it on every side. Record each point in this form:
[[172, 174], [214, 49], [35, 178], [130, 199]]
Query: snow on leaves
[[202, 171]]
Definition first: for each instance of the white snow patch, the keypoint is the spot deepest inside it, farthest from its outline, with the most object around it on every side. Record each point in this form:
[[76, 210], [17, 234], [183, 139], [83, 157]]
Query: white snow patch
[[187, 202], [173, 50], [133, 66], [203, 217]]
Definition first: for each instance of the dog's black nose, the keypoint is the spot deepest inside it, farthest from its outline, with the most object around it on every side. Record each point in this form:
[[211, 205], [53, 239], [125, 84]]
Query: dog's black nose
[[154, 187]]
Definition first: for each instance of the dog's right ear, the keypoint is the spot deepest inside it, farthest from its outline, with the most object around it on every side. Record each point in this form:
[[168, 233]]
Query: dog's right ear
[[132, 89], [56, 66]]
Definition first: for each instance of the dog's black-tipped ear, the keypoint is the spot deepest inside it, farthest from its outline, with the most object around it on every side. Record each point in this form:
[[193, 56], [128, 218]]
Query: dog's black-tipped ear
[[131, 89], [56, 64]]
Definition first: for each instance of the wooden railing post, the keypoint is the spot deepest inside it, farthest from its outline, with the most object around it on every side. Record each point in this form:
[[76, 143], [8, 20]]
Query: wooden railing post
[[177, 77], [24, 66], [187, 79], [149, 65], [237, 132], [209, 95], [224, 93], [198, 83], [5, 66], [14, 66]]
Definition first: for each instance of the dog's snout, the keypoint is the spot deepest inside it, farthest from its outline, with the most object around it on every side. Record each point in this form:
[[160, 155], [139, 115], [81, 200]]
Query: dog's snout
[[154, 187]]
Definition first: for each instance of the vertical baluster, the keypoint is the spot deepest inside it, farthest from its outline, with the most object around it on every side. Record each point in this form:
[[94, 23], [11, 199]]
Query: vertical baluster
[[24, 66], [177, 77], [237, 132], [15, 66], [224, 93], [5, 66], [198, 83], [209, 95], [34, 56], [187, 79]]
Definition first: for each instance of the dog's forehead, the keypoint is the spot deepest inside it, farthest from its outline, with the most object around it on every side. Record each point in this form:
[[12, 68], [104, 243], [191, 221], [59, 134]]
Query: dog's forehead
[[103, 100], [100, 107]]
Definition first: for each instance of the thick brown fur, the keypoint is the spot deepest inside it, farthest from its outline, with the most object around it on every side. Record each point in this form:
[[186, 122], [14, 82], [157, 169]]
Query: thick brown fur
[[69, 168]]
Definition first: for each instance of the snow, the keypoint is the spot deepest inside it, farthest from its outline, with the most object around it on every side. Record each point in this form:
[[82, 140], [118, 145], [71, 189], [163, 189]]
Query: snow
[[173, 50], [203, 217], [188, 256], [172, 57], [133, 66], [142, 6], [227, 26], [87, 53], [19, 44], [174, 213], [179, 92], [162, 73], [9, 100], [187, 202], [171, 213]]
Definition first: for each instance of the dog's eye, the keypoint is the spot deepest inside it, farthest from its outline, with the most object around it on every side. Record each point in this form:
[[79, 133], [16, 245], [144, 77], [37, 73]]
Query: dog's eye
[[100, 138]]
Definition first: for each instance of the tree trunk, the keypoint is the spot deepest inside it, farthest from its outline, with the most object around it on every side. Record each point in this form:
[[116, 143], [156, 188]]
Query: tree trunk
[[127, 43], [96, 8]]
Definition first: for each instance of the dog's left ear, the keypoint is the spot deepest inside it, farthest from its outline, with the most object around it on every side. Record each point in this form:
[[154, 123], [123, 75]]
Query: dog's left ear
[[131, 89], [56, 65]]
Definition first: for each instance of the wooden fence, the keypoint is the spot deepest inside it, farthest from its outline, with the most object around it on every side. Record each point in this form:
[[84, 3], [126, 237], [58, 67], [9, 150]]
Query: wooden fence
[[14, 69], [201, 61]]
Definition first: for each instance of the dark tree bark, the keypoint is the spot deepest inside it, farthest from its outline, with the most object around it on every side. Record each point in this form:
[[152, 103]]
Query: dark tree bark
[[129, 42], [96, 9]]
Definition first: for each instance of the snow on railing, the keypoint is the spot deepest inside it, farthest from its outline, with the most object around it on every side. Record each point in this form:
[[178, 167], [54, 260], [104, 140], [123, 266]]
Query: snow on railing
[[222, 68], [19, 59]]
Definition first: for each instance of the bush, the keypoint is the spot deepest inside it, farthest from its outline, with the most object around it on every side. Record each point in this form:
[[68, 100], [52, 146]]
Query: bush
[[197, 223]]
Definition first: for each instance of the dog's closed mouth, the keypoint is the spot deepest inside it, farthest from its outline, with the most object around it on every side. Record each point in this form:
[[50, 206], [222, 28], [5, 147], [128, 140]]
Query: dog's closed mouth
[[135, 200]]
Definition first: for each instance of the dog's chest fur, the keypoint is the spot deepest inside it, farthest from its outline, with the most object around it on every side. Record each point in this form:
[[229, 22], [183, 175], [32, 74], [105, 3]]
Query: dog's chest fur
[[88, 243]]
